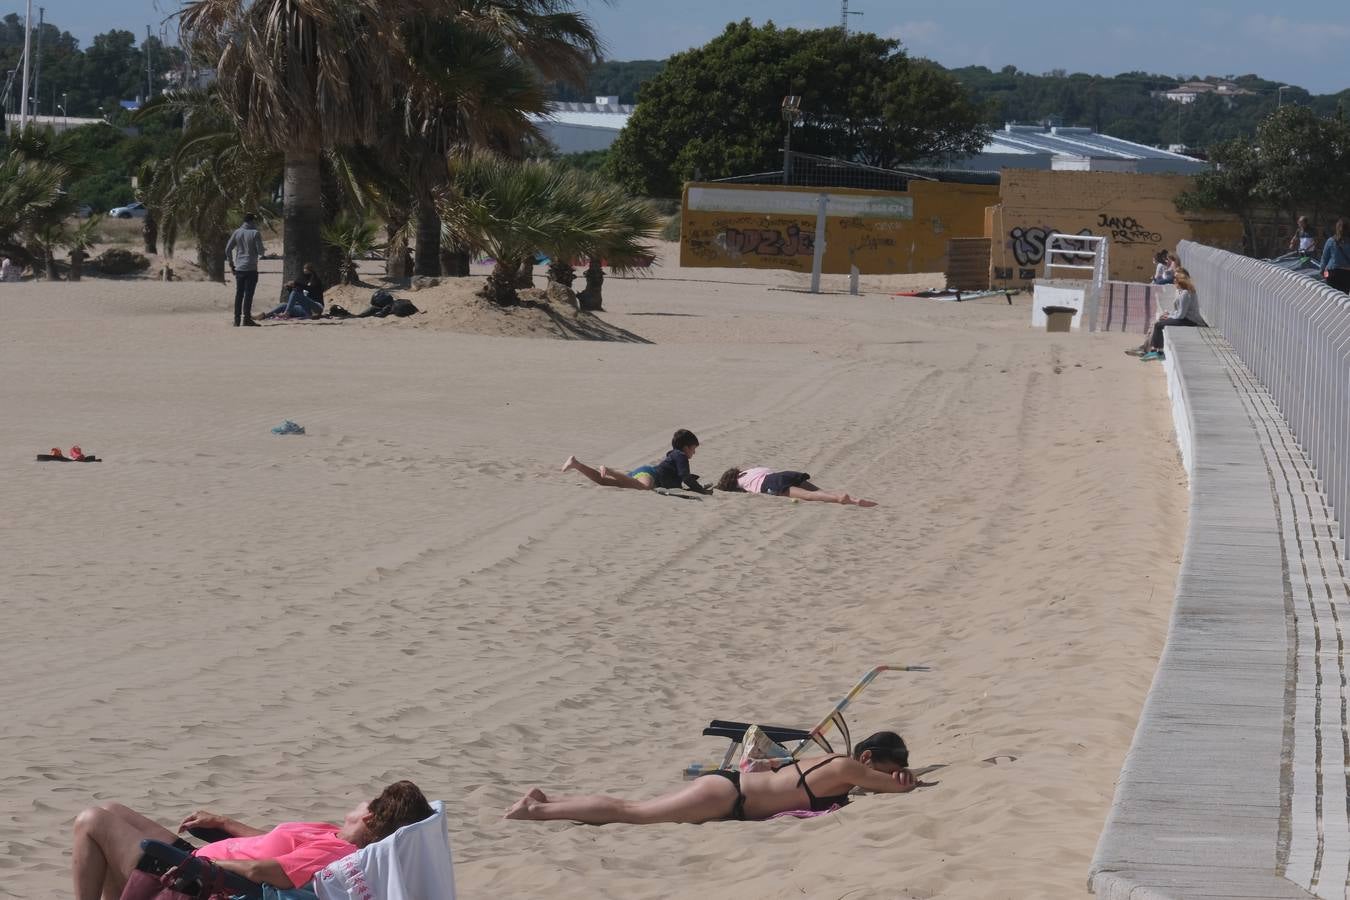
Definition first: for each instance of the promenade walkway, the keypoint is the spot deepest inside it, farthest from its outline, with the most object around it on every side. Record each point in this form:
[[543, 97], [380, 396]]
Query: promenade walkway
[[1235, 785]]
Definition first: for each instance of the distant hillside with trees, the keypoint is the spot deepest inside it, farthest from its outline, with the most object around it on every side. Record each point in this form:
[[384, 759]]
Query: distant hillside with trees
[[110, 69], [1125, 105], [613, 79]]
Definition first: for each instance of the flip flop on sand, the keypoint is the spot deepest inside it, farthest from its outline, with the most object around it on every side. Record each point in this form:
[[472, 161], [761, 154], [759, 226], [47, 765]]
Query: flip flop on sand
[[76, 455]]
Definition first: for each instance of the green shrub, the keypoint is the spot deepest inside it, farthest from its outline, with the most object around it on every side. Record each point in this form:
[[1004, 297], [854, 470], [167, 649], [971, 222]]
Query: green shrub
[[121, 262]]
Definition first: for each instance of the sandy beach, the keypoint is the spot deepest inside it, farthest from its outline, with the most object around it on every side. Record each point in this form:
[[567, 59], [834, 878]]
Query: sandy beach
[[273, 627]]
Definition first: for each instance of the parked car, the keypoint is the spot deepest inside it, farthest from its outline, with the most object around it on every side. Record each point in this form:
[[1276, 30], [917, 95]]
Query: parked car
[[135, 210], [84, 211]]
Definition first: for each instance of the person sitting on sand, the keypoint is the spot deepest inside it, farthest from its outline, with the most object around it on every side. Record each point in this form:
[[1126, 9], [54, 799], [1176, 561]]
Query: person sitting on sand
[[797, 485], [880, 764], [108, 842], [671, 472], [304, 298]]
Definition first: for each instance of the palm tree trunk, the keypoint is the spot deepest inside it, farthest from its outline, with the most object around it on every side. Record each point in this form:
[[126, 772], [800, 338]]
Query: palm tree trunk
[[501, 284], [455, 258], [50, 262], [525, 274], [150, 234], [302, 213], [395, 247], [428, 257], [76, 264], [560, 271], [211, 252], [592, 298]]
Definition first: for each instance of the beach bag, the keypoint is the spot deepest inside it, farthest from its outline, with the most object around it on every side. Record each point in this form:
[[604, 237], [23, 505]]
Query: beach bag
[[170, 886], [381, 298], [760, 753], [404, 308]]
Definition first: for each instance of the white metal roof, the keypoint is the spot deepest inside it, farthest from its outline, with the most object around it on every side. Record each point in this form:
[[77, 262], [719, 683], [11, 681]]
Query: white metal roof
[[587, 115], [1080, 142]]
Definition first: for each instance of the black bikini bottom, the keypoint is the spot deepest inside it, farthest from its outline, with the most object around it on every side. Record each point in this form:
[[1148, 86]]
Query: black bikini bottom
[[738, 808]]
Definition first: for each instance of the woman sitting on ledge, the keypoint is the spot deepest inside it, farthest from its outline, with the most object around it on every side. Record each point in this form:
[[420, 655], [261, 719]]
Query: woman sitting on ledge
[[108, 842], [1185, 311], [878, 764]]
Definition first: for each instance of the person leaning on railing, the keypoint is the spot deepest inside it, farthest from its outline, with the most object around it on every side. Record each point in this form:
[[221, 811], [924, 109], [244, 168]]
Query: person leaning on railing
[[1336, 259]]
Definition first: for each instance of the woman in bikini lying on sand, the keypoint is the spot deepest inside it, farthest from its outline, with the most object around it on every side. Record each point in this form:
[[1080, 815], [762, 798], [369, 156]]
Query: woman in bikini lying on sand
[[797, 485], [879, 764]]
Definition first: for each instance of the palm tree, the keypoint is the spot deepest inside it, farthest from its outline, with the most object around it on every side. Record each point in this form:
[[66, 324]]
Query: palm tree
[[145, 175], [32, 203], [512, 209], [80, 240], [300, 76], [477, 75], [353, 238], [30, 198], [628, 224], [605, 224], [509, 209], [210, 176]]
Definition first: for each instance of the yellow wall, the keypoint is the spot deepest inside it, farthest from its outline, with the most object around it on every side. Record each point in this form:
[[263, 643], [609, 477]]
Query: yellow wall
[[1137, 212], [746, 231]]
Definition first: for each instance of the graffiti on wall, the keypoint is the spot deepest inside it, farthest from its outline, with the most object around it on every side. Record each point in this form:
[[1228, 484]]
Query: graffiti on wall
[[1028, 246], [791, 241], [1126, 230]]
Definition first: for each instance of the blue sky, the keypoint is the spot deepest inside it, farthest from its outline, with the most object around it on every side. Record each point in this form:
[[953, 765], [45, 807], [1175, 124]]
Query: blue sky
[[1305, 43]]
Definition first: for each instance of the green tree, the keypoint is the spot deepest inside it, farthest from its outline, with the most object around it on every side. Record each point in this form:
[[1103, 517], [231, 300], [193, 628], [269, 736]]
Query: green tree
[[1231, 185], [714, 111], [1299, 163]]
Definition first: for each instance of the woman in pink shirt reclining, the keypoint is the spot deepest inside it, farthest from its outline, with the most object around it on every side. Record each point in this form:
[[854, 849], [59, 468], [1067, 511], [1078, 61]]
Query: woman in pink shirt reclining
[[108, 842], [797, 485]]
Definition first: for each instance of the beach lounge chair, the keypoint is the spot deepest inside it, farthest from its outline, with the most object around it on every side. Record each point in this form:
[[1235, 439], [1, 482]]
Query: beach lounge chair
[[772, 741], [413, 863]]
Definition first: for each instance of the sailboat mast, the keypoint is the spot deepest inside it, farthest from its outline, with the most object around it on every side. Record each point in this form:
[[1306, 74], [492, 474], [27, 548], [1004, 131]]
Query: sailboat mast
[[27, 47]]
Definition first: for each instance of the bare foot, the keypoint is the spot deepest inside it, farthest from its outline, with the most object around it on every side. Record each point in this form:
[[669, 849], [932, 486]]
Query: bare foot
[[525, 807], [569, 465], [866, 503], [845, 499]]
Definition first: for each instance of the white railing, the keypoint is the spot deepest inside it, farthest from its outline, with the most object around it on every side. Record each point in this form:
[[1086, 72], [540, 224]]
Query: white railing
[[1081, 253], [1294, 334]]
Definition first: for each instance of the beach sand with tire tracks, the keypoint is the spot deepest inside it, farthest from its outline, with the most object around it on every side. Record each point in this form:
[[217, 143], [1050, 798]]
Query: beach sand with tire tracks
[[272, 627]]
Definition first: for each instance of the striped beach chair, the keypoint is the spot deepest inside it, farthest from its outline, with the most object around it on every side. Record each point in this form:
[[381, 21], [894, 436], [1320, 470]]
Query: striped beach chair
[[770, 742]]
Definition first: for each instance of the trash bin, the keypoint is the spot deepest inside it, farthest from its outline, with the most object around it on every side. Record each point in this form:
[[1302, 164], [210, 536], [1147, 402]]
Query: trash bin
[[1059, 318]]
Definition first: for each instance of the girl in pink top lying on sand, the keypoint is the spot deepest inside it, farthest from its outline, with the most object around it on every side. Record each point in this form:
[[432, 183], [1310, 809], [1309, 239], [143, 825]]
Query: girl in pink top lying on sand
[[108, 842], [797, 485]]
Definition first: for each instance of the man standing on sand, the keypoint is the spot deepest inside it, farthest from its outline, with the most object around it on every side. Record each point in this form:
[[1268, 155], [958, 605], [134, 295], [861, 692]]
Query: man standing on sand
[[242, 252]]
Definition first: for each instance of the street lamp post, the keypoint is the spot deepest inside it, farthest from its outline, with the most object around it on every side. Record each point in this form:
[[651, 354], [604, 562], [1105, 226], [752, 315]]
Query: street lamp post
[[792, 111], [1279, 94]]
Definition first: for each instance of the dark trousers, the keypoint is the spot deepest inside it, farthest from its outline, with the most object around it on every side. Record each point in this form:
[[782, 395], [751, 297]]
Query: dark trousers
[[1156, 342], [244, 285], [1339, 279]]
